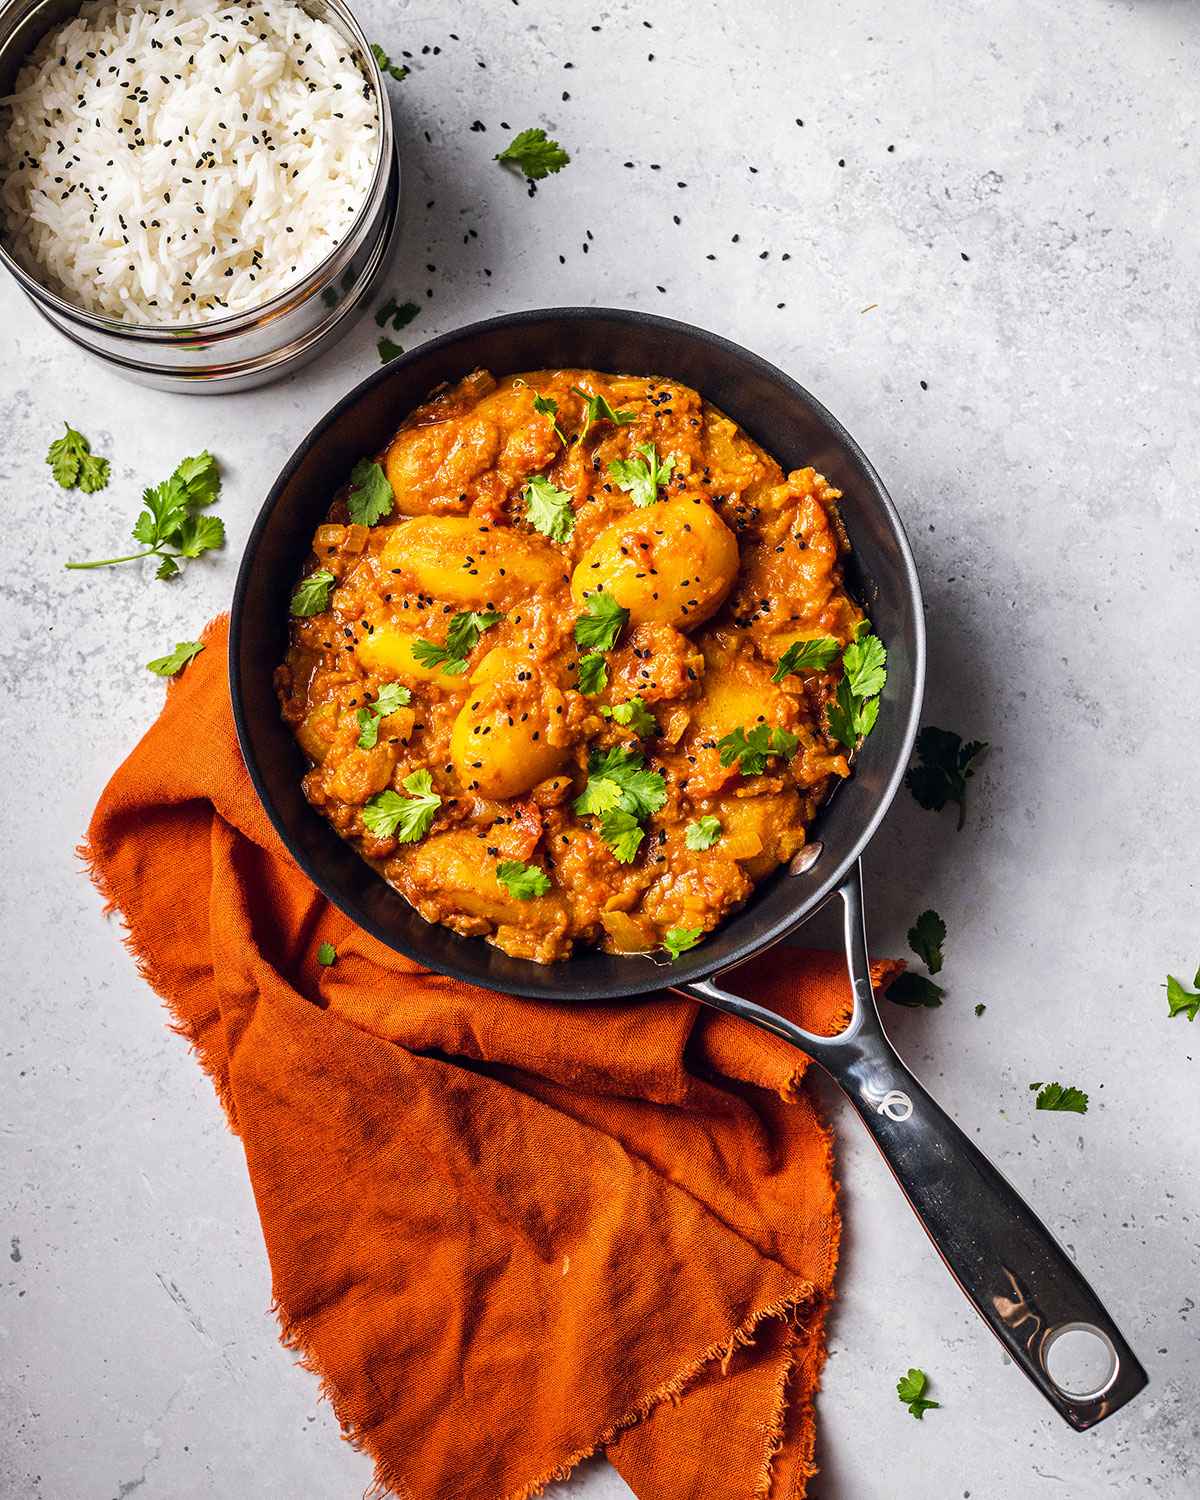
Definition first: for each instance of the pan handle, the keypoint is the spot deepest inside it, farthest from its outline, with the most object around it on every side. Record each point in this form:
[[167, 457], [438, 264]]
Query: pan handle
[[1022, 1283]]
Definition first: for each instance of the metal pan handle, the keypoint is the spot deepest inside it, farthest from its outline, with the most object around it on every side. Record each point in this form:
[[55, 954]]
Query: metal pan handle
[[1023, 1284]]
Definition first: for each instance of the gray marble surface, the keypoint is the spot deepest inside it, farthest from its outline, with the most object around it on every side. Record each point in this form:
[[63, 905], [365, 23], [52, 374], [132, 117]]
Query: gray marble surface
[[990, 215]]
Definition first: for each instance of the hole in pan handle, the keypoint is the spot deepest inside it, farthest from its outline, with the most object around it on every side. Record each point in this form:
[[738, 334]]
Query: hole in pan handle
[[1022, 1283]]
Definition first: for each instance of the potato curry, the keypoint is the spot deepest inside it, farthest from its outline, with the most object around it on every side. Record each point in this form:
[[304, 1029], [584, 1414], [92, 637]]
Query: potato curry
[[573, 661]]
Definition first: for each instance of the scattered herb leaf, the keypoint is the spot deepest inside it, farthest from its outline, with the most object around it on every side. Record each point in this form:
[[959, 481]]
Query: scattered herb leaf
[[326, 954], [168, 527], [408, 818], [1062, 1097], [391, 696], [812, 655], [911, 1390], [914, 991], [388, 350], [521, 880], [634, 715], [548, 407], [394, 70], [703, 833], [175, 661], [461, 638], [597, 409], [371, 497], [945, 765], [72, 462], [395, 315], [593, 673], [622, 832], [1180, 1000], [980, 1008], [864, 663], [641, 477], [852, 714], [603, 622], [677, 940], [549, 509], [312, 593], [751, 748], [638, 791], [534, 153], [925, 938]]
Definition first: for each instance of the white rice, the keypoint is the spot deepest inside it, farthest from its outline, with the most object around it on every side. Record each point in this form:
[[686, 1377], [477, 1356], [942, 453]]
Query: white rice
[[176, 163]]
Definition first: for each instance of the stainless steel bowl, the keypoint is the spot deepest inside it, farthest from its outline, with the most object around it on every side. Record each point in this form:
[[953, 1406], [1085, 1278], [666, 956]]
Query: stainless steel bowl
[[247, 348]]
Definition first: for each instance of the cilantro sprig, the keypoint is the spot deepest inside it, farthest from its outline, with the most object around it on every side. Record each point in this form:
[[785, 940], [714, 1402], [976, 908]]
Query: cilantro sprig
[[172, 527], [703, 833], [812, 655], [1182, 1001], [751, 748], [944, 766], [603, 621], [641, 478], [521, 880], [175, 661], [389, 350], [408, 819], [547, 406], [1061, 1097], [623, 794], [911, 1390], [311, 596], [548, 509], [597, 409], [461, 639], [393, 70], [391, 696], [852, 714], [534, 153], [593, 673], [632, 714], [371, 496], [925, 938], [72, 462], [677, 940], [395, 315]]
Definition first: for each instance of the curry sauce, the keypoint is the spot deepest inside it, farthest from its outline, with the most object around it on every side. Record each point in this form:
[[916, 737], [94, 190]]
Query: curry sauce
[[572, 615]]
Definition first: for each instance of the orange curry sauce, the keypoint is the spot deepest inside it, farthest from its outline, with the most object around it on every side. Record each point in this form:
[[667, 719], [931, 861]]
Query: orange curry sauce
[[721, 567]]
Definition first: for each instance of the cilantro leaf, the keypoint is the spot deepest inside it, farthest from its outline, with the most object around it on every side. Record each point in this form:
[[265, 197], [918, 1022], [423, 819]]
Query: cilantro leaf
[[521, 880], [388, 350], [703, 833], [623, 834], [549, 509], [944, 767], [371, 497], [326, 954], [600, 795], [812, 655], [395, 315], [312, 594], [393, 70], [863, 663], [72, 462], [911, 1390], [641, 477], [548, 407], [597, 409], [750, 750], [391, 696], [534, 153], [407, 818], [1056, 1096], [914, 991], [168, 526], [598, 629], [642, 792], [634, 715], [1180, 1000], [593, 674], [175, 661], [925, 938], [677, 940], [461, 638]]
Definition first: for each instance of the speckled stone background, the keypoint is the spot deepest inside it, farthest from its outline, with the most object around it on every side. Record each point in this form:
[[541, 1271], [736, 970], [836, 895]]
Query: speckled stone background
[[979, 248]]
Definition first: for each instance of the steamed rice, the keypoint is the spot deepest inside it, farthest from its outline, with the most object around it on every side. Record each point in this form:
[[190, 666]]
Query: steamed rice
[[177, 163]]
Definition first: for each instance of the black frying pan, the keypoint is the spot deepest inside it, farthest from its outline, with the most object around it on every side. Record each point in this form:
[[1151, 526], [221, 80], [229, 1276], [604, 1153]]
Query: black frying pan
[[1024, 1286]]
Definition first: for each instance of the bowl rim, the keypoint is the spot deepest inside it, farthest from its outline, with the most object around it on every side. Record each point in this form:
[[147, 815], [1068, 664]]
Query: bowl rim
[[693, 965], [234, 323]]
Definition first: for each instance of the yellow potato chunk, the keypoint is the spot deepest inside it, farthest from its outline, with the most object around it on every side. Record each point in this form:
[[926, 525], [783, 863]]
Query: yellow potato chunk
[[738, 692], [430, 467], [454, 874], [465, 561], [388, 652], [672, 562], [759, 832], [500, 744]]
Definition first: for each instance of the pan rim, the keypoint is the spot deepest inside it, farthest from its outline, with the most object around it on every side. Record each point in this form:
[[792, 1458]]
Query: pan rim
[[691, 967]]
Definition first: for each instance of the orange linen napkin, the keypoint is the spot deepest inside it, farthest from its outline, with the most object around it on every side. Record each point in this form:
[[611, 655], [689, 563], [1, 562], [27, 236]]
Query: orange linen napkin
[[504, 1233]]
